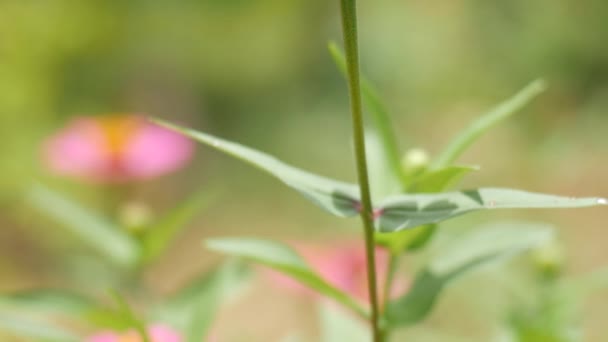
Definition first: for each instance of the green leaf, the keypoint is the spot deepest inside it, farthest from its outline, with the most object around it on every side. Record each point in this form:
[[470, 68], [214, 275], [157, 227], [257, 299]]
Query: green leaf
[[129, 316], [336, 197], [35, 329], [407, 211], [499, 113], [379, 115], [406, 240], [285, 260], [338, 325], [158, 237], [48, 301], [193, 309], [382, 180], [92, 228], [440, 179], [481, 247]]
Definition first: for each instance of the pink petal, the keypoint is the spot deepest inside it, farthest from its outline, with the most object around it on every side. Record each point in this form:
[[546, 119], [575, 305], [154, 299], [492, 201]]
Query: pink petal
[[104, 337], [77, 150], [161, 333], [153, 151]]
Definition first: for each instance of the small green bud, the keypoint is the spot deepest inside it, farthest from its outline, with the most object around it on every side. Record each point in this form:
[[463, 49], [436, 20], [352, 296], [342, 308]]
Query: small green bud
[[414, 161], [135, 216], [549, 259]]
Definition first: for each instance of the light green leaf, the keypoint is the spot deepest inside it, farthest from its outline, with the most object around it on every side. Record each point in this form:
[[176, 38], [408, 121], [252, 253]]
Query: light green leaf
[[381, 178], [336, 197], [193, 309], [380, 118], [481, 247], [285, 260], [406, 240], [47, 301], [440, 179], [338, 325], [499, 113], [35, 329], [92, 228], [158, 237], [129, 317], [407, 211]]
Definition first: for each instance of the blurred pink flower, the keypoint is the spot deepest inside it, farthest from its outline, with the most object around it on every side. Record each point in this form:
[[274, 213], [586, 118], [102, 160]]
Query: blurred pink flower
[[115, 148], [158, 333], [343, 266]]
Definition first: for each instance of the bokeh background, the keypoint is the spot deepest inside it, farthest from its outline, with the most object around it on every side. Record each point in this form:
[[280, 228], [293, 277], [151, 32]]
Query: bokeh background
[[258, 72]]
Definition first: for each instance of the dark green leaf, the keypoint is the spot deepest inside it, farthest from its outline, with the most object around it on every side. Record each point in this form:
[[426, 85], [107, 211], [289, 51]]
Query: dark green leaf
[[285, 260], [481, 247], [407, 211], [499, 113], [336, 197], [92, 228]]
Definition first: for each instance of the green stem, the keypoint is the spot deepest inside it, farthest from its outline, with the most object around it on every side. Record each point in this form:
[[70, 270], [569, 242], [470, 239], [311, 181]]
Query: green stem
[[349, 27], [393, 262]]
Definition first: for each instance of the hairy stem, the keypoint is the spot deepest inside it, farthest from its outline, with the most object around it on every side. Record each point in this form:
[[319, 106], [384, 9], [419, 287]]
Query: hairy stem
[[349, 27]]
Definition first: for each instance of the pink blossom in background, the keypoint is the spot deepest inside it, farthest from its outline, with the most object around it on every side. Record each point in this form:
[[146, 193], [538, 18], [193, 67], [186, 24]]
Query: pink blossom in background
[[158, 333], [115, 148], [343, 266]]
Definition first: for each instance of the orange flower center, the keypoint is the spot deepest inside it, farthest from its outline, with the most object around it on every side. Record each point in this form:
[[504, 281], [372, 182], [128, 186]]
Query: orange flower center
[[131, 336], [117, 130]]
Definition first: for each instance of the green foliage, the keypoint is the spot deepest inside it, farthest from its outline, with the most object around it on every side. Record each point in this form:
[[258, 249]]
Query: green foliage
[[501, 112], [193, 308], [395, 212], [285, 260], [407, 211], [338, 325], [93, 229], [159, 235], [37, 330], [333, 196], [479, 248]]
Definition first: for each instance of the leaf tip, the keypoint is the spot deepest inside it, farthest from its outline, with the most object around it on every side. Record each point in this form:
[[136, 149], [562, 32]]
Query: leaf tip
[[602, 201], [538, 86]]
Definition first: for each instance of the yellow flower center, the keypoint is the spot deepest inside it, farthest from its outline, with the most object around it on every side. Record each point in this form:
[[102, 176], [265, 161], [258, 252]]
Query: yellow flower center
[[117, 130], [131, 336]]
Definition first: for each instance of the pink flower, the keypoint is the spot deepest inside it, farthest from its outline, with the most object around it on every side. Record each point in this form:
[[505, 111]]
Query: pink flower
[[343, 266], [115, 148], [158, 333]]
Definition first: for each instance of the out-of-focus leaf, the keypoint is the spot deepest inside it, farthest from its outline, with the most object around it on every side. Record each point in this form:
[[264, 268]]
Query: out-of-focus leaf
[[481, 247], [407, 211], [440, 179], [35, 329], [406, 240], [48, 301], [336, 197], [158, 237], [92, 228], [285, 260], [193, 309], [379, 115], [338, 325], [129, 317], [382, 180], [499, 113]]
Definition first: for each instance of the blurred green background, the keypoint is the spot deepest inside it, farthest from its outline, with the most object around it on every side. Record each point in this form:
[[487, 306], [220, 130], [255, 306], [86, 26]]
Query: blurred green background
[[258, 72]]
